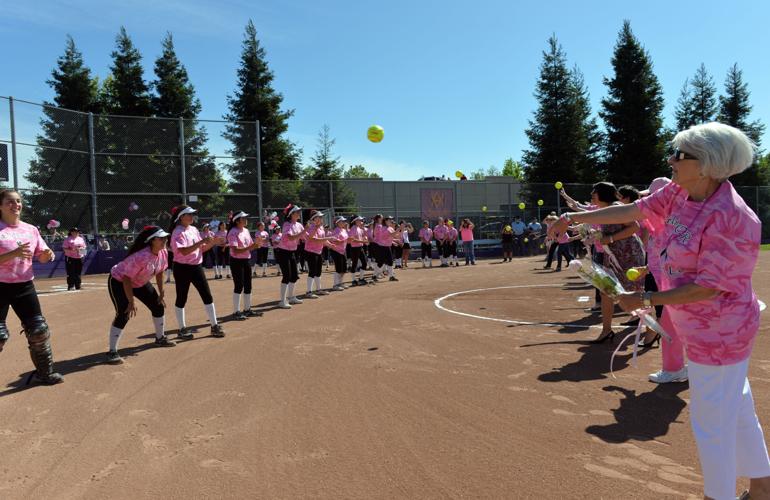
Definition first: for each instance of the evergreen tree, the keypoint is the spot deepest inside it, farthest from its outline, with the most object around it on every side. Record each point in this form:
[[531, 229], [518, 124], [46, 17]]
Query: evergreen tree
[[632, 115], [734, 110], [512, 168], [255, 99], [563, 138], [359, 172], [126, 93], [174, 97], [323, 174], [684, 112], [56, 169], [704, 96]]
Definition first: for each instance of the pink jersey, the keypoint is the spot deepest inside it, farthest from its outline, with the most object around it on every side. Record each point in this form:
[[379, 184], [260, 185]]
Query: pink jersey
[[276, 239], [426, 234], [714, 244], [207, 233], [467, 234], [290, 229], [382, 236], [370, 234], [440, 232], [262, 235], [183, 237], [239, 238], [221, 234], [340, 240], [19, 270], [357, 233], [73, 247], [562, 238], [140, 267], [452, 234], [313, 246]]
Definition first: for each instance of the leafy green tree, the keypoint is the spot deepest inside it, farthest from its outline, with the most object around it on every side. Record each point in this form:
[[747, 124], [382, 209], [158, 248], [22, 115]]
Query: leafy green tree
[[359, 172], [325, 174], [256, 99], [54, 168], [632, 114], [512, 168]]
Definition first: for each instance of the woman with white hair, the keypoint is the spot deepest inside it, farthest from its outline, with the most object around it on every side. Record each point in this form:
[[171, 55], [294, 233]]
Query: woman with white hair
[[709, 248]]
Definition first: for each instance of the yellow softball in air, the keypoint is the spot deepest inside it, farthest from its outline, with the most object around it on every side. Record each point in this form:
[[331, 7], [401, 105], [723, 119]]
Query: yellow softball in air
[[558, 185], [521, 206], [484, 208], [633, 274], [375, 133]]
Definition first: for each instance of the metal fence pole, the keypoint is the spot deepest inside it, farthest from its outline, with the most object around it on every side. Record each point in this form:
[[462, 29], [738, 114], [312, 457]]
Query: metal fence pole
[[183, 178], [395, 201], [510, 202], [92, 164], [331, 202], [13, 146], [259, 169]]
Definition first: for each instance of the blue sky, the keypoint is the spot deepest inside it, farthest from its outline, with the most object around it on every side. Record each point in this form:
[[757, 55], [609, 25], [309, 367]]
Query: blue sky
[[451, 82]]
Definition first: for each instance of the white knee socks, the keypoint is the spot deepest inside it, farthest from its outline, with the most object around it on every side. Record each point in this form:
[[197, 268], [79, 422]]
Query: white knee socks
[[160, 326], [290, 290], [115, 334], [247, 302], [180, 316], [284, 288], [309, 285], [211, 312], [236, 302], [317, 280]]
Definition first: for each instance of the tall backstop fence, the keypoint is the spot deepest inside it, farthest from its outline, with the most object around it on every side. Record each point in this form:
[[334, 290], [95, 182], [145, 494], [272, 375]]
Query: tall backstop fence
[[112, 175]]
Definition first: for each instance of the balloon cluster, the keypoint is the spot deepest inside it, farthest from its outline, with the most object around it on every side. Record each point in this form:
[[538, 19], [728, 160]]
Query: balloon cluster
[[53, 224], [124, 224], [273, 220]]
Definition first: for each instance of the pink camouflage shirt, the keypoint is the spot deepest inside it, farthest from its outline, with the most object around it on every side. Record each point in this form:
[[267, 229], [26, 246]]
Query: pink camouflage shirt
[[19, 270], [357, 233], [714, 244], [340, 240], [141, 266], [73, 246], [426, 234], [440, 232], [186, 237], [238, 238], [290, 229], [317, 232]]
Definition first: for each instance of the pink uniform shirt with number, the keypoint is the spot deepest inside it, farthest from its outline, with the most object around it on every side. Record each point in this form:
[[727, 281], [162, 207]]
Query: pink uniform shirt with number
[[340, 240], [72, 247], [317, 232], [426, 234], [238, 238], [714, 244], [440, 232], [184, 237], [19, 270], [358, 234], [290, 229], [140, 267]]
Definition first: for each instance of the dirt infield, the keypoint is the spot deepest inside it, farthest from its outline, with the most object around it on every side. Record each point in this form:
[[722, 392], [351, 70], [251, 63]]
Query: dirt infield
[[368, 393]]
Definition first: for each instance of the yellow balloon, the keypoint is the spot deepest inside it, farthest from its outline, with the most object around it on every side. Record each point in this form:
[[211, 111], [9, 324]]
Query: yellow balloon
[[558, 185], [539, 203], [375, 133], [458, 174], [484, 208], [633, 274], [521, 206]]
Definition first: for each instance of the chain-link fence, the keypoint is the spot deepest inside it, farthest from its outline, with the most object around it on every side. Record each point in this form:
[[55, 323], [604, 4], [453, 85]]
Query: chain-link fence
[[114, 174]]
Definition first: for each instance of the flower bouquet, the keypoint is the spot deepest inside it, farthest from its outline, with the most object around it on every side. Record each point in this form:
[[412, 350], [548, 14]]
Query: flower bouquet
[[607, 283]]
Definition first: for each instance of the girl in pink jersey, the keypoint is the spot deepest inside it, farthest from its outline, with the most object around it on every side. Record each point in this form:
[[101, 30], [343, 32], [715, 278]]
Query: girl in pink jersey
[[708, 249], [286, 256], [261, 261], [19, 243], [380, 247], [337, 244], [188, 246], [440, 234], [74, 250], [241, 244], [357, 239], [316, 239], [130, 278], [426, 237], [451, 238], [221, 255], [208, 255], [385, 240]]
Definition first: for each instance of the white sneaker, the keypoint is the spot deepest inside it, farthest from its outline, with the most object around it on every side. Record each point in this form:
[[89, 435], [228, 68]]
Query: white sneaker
[[284, 305], [295, 300], [311, 295], [323, 292], [338, 288], [664, 377]]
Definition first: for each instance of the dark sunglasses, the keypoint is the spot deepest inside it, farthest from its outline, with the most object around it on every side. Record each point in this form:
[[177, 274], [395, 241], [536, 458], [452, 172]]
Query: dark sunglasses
[[681, 155]]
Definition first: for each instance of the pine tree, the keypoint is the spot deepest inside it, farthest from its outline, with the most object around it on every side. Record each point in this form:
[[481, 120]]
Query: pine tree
[[563, 138], [174, 97], [734, 110], [359, 172], [255, 99], [55, 169], [684, 112], [127, 92], [323, 174], [632, 115], [704, 96]]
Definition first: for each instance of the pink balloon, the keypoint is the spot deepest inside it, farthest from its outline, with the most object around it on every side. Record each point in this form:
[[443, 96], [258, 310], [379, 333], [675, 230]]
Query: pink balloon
[[124, 224]]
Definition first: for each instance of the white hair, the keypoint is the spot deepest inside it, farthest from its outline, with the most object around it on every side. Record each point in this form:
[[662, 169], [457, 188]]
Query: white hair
[[723, 150]]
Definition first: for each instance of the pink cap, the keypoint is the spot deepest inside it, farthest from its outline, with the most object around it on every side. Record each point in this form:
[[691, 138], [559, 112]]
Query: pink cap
[[656, 184]]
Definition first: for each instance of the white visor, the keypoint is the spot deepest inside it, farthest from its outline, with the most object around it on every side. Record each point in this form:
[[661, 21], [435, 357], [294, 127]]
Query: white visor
[[157, 234], [239, 215], [188, 210], [294, 209]]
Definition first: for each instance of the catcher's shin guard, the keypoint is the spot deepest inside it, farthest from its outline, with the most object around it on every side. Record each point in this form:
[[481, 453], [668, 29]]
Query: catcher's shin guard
[[38, 337]]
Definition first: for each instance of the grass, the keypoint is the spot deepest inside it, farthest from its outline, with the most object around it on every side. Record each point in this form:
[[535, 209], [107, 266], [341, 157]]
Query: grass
[[764, 247]]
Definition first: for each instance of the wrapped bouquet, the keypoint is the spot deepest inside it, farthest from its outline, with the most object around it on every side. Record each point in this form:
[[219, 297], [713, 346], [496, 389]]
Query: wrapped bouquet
[[608, 283]]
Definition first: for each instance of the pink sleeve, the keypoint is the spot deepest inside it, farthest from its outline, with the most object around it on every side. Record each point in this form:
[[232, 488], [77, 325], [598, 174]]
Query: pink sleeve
[[232, 239], [729, 250], [179, 240], [41, 244], [657, 206]]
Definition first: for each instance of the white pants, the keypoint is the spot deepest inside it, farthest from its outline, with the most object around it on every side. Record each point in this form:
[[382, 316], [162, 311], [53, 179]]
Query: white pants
[[727, 431]]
